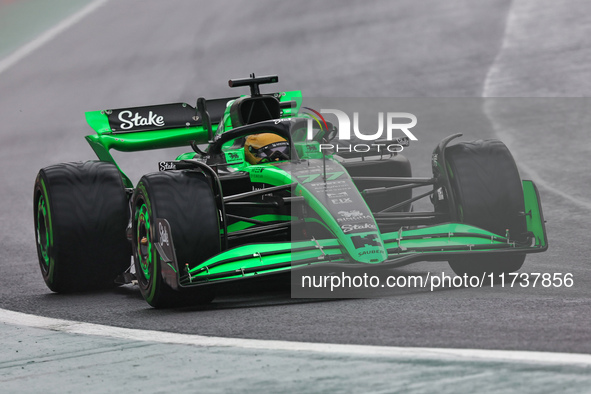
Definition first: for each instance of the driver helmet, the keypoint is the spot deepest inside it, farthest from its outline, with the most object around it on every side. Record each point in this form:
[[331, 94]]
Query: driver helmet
[[265, 147]]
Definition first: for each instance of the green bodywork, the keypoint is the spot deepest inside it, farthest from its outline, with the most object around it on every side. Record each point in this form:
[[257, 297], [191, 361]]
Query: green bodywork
[[434, 242]]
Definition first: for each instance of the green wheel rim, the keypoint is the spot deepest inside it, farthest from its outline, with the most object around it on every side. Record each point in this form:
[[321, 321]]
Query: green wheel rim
[[144, 247], [43, 232]]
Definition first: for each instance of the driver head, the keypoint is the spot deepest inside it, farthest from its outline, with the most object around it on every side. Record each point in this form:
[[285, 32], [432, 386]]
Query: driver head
[[265, 147]]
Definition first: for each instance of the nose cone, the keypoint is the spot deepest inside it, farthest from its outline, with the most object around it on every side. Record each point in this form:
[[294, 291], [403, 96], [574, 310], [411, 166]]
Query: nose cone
[[330, 191]]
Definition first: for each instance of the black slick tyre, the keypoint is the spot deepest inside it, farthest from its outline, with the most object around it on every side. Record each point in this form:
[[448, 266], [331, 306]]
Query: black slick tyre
[[186, 201], [81, 214], [488, 194]]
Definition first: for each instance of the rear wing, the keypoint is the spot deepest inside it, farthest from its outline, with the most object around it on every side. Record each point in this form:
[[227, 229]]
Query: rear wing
[[161, 126], [155, 117]]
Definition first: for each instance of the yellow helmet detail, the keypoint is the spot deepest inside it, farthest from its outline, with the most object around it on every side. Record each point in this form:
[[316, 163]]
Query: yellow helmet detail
[[265, 147]]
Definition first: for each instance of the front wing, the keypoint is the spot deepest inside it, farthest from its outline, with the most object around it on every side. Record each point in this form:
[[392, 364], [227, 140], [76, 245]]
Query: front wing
[[433, 243]]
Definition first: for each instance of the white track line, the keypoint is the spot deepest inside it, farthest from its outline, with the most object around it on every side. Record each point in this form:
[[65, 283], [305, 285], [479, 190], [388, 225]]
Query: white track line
[[509, 22], [44, 38], [399, 353], [513, 23]]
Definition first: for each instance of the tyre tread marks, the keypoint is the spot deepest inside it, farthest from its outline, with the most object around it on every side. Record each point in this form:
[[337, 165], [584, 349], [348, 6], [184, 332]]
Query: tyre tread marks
[[89, 213]]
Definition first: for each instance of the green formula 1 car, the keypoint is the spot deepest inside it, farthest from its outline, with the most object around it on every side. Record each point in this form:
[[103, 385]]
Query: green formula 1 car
[[215, 216]]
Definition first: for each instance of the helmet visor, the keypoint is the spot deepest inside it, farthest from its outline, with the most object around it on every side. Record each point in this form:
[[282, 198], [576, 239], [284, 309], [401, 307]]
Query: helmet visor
[[273, 152]]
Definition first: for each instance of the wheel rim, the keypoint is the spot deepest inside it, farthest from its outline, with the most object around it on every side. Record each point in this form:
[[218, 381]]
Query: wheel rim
[[144, 241], [44, 234]]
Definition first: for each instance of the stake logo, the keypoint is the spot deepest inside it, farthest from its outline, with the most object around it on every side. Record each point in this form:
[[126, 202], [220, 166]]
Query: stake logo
[[129, 120], [347, 228], [399, 121], [166, 165]]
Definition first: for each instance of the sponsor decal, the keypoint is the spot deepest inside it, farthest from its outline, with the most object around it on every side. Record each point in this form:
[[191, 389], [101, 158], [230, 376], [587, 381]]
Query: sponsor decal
[[355, 219], [353, 216], [339, 201], [367, 240], [163, 234], [348, 228], [364, 252], [339, 194], [166, 165], [256, 172], [311, 148], [330, 184], [330, 176], [277, 121], [165, 249], [233, 157], [154, 117], [350, 214], [129, 120]]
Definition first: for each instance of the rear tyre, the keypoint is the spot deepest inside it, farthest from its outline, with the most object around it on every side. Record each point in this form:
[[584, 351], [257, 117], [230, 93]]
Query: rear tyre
[[186, 201], [488, 194], [81, 214]]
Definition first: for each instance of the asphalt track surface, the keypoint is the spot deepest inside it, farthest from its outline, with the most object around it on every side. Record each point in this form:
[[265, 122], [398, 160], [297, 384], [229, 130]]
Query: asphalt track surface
[[136, 53]]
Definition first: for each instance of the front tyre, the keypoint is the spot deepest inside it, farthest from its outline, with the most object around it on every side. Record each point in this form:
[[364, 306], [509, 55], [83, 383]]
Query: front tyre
[[186, 201], [488, 194], [80, 215]]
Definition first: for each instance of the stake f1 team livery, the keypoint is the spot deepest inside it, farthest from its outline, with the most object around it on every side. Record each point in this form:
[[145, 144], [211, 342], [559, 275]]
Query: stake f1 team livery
[[263, 199]]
